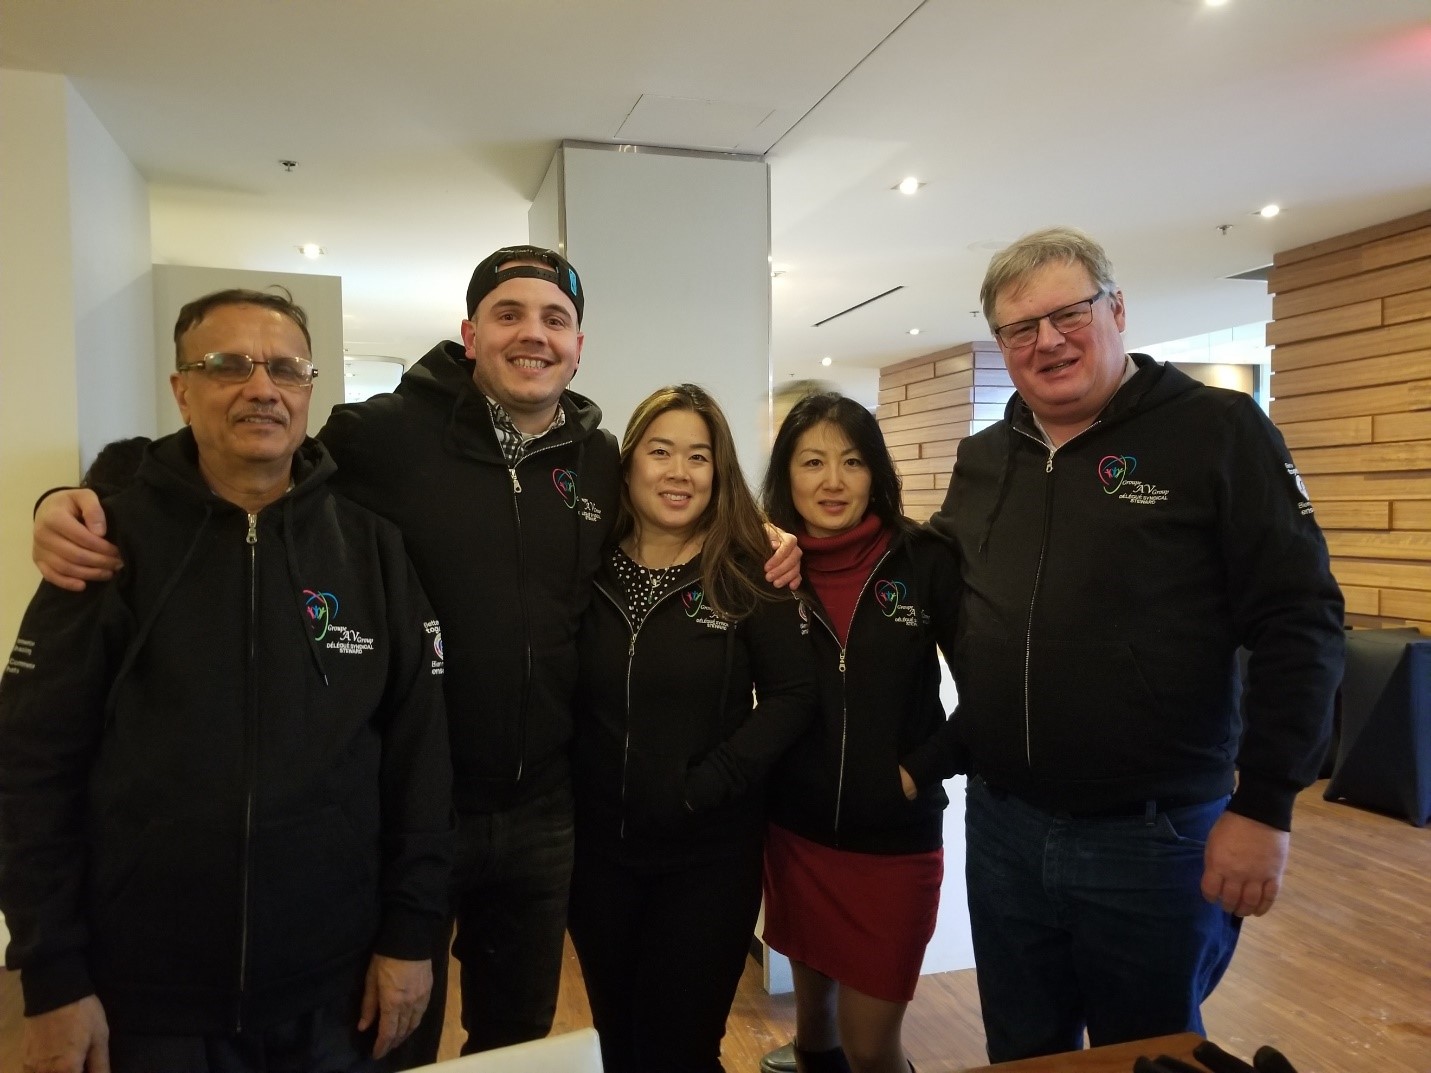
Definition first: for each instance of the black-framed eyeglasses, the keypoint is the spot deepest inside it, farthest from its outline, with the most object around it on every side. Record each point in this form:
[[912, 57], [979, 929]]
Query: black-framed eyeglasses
[[236, 368], [1021, 333]]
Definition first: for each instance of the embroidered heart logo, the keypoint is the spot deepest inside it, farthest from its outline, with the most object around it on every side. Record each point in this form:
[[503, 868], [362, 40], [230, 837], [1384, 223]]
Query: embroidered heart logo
[[1113, 470], [565, 481], [888, 595]]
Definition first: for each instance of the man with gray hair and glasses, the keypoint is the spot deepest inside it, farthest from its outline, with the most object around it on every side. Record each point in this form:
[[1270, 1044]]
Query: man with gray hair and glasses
[[225, 789], [1123, 531]]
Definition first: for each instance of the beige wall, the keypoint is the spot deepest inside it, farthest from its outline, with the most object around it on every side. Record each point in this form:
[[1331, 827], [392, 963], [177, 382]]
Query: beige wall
[[1351, 386], [39, 433]]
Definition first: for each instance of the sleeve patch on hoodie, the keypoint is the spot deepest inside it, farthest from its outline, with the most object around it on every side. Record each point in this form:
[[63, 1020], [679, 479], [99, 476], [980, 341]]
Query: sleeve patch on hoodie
[[21, 656], [433, 629]]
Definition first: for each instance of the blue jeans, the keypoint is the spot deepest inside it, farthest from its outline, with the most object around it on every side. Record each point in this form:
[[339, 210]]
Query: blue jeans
[[1093, 923]]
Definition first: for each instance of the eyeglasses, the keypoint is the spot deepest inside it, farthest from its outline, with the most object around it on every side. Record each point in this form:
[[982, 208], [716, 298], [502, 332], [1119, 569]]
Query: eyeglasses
[[236, 368], [1021, 333]]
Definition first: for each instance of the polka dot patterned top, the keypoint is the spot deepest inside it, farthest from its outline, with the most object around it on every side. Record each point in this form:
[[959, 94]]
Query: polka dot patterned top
[[642, 585]]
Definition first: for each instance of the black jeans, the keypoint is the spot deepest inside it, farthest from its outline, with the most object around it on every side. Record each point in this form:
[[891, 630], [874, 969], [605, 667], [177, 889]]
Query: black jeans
[[662, 946], [510, 883], [324, 1040]]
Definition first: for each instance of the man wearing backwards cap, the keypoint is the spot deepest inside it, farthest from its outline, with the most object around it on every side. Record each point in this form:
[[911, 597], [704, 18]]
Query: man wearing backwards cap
[[505, 487]]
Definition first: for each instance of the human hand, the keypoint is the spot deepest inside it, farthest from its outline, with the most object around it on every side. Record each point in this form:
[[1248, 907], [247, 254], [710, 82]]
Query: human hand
[[71, 1039], [782, 569], [68, 543], [1243, 864], [395, 995], [911, 791]]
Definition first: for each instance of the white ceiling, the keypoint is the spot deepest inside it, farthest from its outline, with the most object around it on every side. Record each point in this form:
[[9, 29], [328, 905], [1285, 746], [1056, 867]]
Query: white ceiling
[[423, 128]]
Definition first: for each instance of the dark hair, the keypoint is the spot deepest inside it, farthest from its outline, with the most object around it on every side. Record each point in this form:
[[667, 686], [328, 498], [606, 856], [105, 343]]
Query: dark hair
[[199, 308], [735, 544], [863, 432], [113, 469]]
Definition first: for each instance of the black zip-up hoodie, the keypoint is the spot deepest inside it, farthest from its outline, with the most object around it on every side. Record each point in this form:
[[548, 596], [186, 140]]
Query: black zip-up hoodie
[[505, 555], [671, 750], [224, 779], [880, 710], [1108, 585]]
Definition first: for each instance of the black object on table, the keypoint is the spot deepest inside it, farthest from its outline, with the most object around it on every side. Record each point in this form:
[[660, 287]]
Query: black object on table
[[1384, 755]]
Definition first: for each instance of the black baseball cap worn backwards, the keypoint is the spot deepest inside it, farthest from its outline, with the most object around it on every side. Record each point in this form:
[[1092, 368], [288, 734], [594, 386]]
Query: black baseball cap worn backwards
[[555, 269]]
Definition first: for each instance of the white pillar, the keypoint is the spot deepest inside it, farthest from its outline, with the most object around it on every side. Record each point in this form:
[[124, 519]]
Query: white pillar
[[673, 248]]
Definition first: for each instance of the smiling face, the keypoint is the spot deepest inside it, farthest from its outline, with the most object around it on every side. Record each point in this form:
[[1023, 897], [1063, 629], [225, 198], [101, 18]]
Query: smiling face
[[1065, 379], [671, 473], [829, 480], [252, 427], [524, 339]]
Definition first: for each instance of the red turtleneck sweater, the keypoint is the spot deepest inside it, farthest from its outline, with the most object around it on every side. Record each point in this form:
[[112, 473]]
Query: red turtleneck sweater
[[837, 567]]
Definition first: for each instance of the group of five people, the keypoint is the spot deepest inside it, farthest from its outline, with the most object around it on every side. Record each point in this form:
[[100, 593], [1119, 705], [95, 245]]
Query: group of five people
[[644, 723]]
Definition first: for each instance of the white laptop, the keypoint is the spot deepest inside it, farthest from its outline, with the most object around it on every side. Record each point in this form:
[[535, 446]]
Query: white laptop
[[573, 1052]]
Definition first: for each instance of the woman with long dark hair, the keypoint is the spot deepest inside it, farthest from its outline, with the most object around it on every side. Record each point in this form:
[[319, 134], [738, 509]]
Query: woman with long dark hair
[[682, 636], [854, 857]]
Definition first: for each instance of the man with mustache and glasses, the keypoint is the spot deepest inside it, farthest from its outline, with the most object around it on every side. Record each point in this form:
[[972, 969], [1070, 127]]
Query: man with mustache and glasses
[[224, 778], [505, 487], [1123, 530]]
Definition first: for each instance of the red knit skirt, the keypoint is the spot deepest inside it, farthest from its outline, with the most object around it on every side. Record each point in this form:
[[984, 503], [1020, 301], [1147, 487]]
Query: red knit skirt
[[862, 919]]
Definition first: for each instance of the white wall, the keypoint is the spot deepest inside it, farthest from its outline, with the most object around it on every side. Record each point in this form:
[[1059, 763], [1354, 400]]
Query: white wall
[[320, 296], [113, 298]]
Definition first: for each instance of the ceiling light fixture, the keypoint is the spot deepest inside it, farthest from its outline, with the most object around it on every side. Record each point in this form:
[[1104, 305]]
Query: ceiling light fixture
[[1269, 211], [827, 361], [1214, 3], [913, 331], [909, 186], [311, 250]]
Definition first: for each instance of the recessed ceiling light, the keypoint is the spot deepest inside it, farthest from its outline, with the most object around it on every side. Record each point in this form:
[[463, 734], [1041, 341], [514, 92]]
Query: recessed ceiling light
[[312, 250], [827, 361], [909, 185], [913, 331], [1269, 211], [1214, 3]]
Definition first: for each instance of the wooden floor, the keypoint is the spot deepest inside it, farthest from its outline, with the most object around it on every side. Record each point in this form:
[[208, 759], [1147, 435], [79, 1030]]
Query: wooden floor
[[1337, 977]]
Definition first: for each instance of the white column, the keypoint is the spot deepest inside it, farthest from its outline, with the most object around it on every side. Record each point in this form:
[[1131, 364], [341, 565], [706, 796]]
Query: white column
[[673, 248]]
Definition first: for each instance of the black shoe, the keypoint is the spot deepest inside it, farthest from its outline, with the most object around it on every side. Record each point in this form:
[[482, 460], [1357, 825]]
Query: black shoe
[[780, 1060]]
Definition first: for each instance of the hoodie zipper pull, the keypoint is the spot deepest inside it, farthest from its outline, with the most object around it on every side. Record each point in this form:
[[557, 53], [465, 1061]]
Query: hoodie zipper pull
[[252, 537], [516, 484], [1048, 466]]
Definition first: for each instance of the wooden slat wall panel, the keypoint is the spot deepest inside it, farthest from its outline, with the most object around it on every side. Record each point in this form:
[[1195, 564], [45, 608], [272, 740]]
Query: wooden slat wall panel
[[1368, 372], [1350, 318], [1332, 433], [927, 405], [1351, 514], [1368, 285], [1411, 514], [1394, 339], [1364, 237], [1351, 365], [1387, 428], [1402, 307]]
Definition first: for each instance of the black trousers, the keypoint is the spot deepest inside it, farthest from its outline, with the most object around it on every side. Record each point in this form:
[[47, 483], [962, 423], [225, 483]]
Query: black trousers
[[323, 1040], [511, 877], [662, 945]]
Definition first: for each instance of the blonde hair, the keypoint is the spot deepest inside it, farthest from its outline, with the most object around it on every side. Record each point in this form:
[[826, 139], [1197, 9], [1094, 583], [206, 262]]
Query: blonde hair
[[1062, 245]]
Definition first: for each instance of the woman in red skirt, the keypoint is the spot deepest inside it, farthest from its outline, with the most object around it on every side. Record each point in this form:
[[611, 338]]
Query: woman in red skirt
[[854, 854]]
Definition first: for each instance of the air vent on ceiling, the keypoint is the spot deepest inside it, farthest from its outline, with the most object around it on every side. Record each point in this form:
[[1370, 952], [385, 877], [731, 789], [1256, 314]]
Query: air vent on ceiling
[[1262, 274], [857, 305]]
